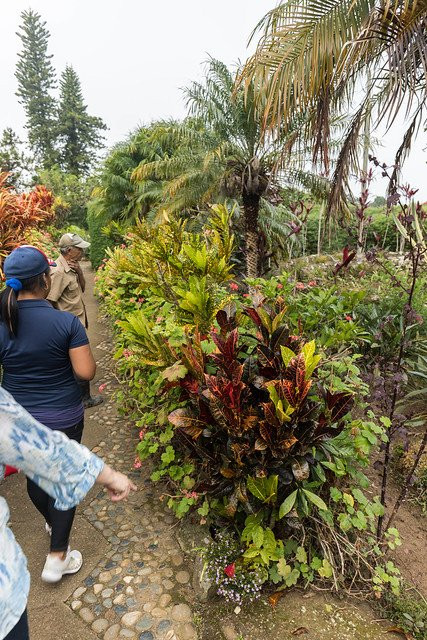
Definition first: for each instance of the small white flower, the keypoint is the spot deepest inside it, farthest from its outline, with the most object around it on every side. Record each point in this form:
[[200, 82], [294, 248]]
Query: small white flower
[[237, 610]]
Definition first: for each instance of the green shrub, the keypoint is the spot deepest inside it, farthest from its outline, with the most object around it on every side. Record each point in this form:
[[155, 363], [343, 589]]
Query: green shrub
[[381, 226], [408, 610], [251, 426], [99, 242]]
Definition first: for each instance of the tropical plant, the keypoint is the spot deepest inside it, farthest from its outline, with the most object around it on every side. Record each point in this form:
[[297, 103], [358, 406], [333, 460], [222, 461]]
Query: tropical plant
[[71, 195], [20, 212], [117, 196], [263, 440], [221, 152], [315, 56]]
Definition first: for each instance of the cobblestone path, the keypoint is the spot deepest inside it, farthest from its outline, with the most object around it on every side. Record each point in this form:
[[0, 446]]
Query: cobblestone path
[[141, 589]]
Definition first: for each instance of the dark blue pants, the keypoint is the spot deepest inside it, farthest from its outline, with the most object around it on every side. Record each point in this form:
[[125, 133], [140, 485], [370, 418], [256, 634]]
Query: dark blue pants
[[20, 630]]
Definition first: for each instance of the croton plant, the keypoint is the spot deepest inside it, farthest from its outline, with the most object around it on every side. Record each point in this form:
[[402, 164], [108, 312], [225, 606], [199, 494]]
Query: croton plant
[[257, 420]]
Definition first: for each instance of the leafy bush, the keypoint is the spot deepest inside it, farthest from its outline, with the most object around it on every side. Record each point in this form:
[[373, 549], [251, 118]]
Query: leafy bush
[[266, 440], [99, 241], [21, 212], [251, 425], [71, 195]]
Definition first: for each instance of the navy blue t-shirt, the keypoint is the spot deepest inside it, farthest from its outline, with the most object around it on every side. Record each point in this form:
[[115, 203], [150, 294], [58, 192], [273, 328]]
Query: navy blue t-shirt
[[37, 369]]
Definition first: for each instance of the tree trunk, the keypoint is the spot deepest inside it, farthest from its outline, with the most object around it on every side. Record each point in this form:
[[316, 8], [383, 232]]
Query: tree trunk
[[366, 149], [251, 211], [319, 228]]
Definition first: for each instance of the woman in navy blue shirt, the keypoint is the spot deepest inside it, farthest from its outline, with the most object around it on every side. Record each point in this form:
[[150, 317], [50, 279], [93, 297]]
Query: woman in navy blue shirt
[[42, 350]]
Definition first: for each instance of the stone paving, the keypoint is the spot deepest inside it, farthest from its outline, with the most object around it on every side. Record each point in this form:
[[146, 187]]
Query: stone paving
[[142, 587]]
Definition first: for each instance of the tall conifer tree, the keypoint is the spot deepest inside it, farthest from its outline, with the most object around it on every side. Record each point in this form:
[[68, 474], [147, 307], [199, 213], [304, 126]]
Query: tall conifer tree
[[79, 133], [12, 159], [36, 80]]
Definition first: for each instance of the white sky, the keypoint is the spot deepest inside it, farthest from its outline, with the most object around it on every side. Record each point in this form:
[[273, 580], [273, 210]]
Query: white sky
[[133, 57]]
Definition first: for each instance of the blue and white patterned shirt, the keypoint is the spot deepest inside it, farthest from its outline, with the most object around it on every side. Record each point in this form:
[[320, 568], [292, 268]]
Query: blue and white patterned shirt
[[61, 467]]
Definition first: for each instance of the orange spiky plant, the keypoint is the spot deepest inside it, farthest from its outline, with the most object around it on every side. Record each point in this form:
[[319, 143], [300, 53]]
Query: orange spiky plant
[[20, 212]]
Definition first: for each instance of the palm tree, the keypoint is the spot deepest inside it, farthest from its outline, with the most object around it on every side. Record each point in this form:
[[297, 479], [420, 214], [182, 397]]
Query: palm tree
[[117, 197], [315, 57], [220, 151]]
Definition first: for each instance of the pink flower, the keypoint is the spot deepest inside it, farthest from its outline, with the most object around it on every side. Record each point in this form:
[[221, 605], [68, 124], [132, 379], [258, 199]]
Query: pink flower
[[118, 301], [122, 246], [141, 300], [279, 285], [137, 464], [142, 433], [300, 285], [101, 387], [348, 318], [312, 283], [127, 353], [230, 570], [159, 319], [132, 300], [234, 286], [246, 295], [191, 494]]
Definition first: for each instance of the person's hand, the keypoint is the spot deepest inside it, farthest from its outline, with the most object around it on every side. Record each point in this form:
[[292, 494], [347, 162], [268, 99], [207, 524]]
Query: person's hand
[[117, 484], [75, 266]]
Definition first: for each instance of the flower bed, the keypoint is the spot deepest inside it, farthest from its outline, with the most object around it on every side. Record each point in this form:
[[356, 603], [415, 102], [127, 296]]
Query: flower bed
[[251, 401]]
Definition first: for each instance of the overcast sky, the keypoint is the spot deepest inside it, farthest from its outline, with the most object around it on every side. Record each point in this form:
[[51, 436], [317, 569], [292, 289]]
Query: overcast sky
[[133, 57]]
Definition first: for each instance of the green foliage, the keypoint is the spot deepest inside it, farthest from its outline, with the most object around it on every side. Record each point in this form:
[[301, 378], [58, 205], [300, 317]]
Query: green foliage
[[79, 134], [12, 159], [381, 228], [185, 269], [36, 80], [255, 415], [408, 610], [71, 196], [99, 241], [117, 195]]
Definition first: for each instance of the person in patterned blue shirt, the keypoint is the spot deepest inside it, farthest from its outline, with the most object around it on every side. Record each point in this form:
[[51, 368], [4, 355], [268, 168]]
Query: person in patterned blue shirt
[[63, 468]]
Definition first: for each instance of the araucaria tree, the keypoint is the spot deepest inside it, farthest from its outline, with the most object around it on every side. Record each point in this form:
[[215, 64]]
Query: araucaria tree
[[12, 159], [36, 80], [79, 134]]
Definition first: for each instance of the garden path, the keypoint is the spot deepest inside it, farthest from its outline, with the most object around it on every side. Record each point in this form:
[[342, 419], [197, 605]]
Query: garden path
[[135, 582]]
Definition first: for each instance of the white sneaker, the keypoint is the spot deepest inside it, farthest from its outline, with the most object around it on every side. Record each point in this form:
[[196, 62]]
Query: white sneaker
[[48, 528], [54, 568]]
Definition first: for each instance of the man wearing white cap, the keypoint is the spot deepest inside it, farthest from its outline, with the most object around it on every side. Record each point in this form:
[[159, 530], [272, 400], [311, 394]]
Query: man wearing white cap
[[66, 292]]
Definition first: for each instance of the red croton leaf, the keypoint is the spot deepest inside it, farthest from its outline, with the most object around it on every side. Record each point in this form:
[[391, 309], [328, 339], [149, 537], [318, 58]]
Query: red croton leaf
[[338, 404], [270, 414], [227, 391], [227, 347], [230, 570], [252, 313], [182, 419], [265, 431], [290, 392]]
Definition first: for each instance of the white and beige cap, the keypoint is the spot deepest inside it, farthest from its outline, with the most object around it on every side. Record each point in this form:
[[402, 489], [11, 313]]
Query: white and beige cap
[[73, 240]]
